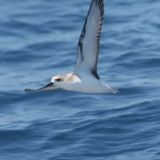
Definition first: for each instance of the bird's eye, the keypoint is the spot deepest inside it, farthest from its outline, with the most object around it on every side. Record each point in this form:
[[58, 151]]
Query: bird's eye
[[58, 79]]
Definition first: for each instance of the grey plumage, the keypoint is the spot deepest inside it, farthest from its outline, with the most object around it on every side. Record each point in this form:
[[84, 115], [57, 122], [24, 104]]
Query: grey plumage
[[88, 46]]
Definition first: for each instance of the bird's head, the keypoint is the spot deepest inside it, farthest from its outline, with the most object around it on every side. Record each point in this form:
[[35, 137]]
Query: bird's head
[[60, 81]]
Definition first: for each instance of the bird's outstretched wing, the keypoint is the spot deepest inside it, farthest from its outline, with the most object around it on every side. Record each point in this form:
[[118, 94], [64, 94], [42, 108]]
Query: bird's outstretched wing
[[88, 46]]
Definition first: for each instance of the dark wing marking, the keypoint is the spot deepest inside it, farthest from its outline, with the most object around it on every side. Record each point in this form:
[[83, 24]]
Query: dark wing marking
[[88, 46]]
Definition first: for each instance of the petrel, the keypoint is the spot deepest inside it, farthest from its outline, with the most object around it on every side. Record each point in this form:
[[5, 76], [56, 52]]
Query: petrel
[[84, 77]]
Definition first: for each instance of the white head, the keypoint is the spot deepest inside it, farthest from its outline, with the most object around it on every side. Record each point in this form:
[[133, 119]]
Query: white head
[[61, 81]]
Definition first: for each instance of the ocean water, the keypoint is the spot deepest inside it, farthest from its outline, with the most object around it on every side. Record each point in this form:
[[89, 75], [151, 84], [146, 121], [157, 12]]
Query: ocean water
[[38, 39]]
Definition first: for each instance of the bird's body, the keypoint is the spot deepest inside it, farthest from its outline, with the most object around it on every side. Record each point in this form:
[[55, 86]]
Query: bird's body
[[85, 78], [87, 84]]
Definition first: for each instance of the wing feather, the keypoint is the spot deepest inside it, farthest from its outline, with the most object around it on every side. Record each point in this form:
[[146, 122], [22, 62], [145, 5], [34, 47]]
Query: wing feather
[[88, 46]]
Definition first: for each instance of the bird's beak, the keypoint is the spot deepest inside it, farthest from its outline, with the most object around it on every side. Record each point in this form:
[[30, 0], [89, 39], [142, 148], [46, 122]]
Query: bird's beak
[[49, 86]]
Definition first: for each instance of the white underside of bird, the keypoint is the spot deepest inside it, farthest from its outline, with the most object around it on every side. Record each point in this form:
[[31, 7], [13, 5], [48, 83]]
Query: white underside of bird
[[84, 77], [85, 83]]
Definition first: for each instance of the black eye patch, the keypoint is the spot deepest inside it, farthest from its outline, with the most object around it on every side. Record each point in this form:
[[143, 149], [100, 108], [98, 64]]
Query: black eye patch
[[58, 79]]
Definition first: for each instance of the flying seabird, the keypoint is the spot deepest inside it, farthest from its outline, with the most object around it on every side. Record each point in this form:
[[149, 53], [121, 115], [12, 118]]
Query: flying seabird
[[84, 77]]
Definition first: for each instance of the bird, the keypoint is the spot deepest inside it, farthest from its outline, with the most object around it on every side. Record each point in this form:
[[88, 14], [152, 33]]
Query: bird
[[84, 77]]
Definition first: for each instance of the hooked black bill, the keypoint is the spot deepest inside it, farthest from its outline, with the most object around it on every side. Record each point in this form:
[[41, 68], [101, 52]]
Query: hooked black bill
[[49, 84], [40, 89]]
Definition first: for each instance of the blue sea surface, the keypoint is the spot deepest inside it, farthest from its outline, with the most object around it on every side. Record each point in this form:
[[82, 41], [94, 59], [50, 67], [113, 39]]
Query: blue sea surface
[[38, 39]]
